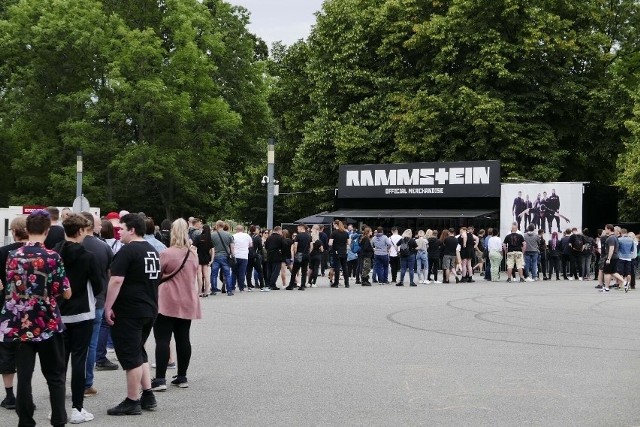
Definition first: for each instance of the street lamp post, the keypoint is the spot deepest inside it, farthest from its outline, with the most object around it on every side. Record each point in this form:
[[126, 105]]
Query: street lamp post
[[79, 173], [270, 183]]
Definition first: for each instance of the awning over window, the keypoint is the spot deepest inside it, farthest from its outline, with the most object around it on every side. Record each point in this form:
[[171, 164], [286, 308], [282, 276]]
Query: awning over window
[[408, 213]]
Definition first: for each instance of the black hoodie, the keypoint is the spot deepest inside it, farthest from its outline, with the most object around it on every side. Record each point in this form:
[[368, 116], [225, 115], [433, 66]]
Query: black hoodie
[[82, 271]]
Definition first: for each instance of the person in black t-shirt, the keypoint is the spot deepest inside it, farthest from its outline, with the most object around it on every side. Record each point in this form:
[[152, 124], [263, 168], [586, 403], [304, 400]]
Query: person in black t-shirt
[[275, 246], [300, 254], [339, 240], [130, 308], [515, 246], [325, 249], [255, 258], [56, 232], [449, 246], [315, 256]]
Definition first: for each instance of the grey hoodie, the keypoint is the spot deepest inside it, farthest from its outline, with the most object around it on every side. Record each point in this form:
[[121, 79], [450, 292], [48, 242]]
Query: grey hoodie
[[531, 239], [381, 244]]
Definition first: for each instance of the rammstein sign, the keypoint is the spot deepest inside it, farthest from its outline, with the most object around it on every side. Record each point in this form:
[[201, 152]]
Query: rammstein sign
[[456, 179]]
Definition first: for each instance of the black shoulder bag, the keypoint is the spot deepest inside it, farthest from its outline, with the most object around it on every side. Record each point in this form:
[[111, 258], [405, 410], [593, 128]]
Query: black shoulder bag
[[172, 275], [230, 258]]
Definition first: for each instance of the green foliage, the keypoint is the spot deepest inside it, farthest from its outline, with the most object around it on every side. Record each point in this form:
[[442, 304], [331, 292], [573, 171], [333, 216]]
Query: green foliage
[[167, 100], [542, 86]]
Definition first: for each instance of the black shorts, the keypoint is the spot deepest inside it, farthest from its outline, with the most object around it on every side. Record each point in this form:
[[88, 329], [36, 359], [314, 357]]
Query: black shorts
[[129, 336], [624, 267], [610, 267], [8, 357]]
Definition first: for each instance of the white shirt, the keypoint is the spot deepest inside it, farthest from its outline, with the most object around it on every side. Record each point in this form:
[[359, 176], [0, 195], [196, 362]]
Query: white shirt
[[494, 244], [394, 239], [241, 244]]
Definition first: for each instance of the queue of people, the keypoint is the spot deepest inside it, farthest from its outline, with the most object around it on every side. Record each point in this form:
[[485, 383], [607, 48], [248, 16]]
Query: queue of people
[[72, 284]]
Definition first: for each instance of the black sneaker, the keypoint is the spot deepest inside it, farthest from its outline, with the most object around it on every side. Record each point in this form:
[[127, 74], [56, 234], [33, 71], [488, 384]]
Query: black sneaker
[[334, 286], [107, 365], [290, 288], [521, 280], [302, 288], [598, 286], [509, 280], [159, 384], [126, 407], [412, 284], [148, 401], [9, 402], [346, 285], [181, 382]]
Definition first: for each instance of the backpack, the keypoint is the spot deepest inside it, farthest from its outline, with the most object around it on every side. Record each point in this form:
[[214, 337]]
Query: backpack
[[355, 244], [404, 248], [578, 243]]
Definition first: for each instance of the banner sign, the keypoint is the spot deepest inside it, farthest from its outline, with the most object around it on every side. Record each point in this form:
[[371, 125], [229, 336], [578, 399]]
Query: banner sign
[[424, 180], [26, 210], [550, 207]]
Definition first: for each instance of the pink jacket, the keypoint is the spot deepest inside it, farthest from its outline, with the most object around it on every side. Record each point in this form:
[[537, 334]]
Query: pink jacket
[[178, 297]]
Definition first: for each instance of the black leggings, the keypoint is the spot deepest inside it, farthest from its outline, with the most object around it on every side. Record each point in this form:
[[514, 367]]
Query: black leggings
[[434, 266], [394, 261], [163, 328], [340, 263], [554, 264]]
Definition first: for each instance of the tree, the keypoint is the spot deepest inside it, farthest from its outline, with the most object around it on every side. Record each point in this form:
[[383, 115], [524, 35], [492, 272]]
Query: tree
[[539, 85], [166, 99]]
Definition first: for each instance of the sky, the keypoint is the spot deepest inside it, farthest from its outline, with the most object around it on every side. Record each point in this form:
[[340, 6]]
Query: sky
[[281, 20]]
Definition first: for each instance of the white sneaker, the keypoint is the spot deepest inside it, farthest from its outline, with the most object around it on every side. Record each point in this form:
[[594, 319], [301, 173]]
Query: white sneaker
[[437, 282], [570, 277], [265, 289], [426, 282], [78, 417], [529, 279]]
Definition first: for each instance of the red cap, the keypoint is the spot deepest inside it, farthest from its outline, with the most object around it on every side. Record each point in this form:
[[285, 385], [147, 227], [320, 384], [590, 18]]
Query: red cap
[[113, 215]]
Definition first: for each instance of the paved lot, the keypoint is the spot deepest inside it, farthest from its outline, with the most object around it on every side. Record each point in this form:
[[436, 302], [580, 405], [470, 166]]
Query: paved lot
[[494, 354]]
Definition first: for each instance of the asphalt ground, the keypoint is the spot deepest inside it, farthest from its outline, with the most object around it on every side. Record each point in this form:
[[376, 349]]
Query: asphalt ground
[[476, 354]]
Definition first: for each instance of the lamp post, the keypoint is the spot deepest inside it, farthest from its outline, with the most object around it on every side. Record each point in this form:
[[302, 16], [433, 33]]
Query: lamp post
[[79, 173], [270, 170]]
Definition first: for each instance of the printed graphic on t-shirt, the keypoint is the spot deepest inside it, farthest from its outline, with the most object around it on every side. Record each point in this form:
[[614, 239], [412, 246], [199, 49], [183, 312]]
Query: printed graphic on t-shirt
[[152, 265]]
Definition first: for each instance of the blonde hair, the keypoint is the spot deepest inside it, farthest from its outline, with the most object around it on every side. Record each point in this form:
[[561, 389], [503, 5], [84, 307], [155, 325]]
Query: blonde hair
[[421, 233], [315, 233], [407, 233], [180, 234], [429, 233]]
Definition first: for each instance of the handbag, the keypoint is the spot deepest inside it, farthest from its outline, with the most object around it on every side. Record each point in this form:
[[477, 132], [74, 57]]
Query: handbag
[[172, 275], [231, 260]]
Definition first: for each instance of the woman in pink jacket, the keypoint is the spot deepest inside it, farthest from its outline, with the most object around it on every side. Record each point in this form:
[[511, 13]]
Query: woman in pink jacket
[[178, 305]]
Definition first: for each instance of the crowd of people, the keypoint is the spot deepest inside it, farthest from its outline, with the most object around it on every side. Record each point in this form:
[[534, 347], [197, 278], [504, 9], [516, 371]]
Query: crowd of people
[[366, 256], [74, 283]]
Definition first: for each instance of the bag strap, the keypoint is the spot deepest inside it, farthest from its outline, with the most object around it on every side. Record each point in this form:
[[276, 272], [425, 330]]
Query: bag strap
[[223, 245], [172, 275]]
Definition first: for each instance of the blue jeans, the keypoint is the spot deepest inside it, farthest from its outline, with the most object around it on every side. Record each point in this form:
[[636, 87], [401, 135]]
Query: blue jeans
[[407, 263], [104, 338], [382, 267], [218, 263], [240, 273], [531, 264], [423, 265], [91, 355]]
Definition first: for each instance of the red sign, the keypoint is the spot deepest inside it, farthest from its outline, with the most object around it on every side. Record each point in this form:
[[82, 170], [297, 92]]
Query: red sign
[[26, 210]]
